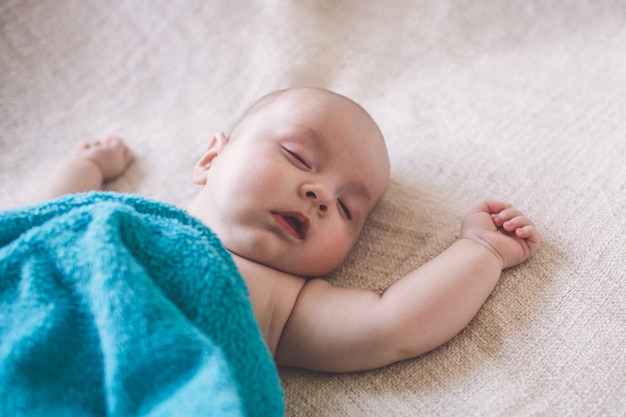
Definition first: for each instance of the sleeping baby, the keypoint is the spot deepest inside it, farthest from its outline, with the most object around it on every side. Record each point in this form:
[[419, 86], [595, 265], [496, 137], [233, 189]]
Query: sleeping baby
[[287, 193]]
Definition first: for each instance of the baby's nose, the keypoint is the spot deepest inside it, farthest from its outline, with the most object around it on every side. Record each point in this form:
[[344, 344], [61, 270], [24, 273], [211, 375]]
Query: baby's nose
[[323, 208], [319, 196]]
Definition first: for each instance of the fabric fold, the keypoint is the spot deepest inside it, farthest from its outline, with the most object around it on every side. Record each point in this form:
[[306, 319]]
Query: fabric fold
[[116, 305]]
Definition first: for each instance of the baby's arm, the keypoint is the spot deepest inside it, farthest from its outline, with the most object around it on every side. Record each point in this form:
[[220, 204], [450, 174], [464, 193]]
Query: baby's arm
[[85, 169], [338, 329]]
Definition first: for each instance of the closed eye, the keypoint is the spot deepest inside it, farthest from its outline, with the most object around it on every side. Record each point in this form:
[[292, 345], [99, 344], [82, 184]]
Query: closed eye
[[298, 158], [345, 209]]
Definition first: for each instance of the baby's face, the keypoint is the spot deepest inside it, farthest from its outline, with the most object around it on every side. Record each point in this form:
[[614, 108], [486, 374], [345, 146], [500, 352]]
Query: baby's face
[[293, 185]]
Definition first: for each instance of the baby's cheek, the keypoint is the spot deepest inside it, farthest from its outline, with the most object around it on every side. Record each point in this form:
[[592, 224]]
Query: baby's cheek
[[336, 249]]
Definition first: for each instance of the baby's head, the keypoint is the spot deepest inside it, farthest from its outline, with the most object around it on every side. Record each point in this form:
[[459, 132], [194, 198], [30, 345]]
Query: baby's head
[[292, 185]]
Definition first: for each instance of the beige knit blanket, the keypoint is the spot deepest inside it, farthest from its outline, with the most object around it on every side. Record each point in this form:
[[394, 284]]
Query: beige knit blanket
[[523, 101]]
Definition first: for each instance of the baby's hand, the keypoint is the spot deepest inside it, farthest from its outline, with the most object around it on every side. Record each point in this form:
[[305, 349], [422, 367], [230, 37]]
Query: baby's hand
[[503, 229], [111, 155]]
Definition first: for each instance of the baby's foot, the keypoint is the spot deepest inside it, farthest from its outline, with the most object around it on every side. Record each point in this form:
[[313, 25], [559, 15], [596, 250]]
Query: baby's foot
[[112, 156]]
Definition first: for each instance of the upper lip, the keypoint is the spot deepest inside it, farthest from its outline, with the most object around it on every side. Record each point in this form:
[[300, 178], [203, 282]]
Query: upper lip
[[296, 224]]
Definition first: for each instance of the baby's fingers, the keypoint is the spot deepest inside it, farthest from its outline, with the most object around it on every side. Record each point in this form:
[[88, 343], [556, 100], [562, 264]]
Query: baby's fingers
[[531, 235], [525, 229], [526, 232], [494, 206], [505, 216], [516, 222]]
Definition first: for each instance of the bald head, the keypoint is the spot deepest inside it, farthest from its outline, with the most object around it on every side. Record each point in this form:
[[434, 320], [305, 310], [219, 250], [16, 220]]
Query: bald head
[[300, 95]]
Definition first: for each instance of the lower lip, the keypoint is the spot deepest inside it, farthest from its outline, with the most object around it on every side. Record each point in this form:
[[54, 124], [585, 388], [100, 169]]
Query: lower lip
[[286, 226]]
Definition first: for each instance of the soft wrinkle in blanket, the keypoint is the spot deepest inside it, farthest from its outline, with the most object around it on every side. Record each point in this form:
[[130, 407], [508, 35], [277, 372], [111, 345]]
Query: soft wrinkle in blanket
[[115, 305]]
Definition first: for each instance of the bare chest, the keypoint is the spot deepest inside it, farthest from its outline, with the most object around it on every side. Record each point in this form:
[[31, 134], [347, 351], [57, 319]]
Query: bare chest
[[273, 295]]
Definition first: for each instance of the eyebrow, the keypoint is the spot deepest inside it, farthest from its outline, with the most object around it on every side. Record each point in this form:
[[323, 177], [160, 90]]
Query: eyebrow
[[316, 137]]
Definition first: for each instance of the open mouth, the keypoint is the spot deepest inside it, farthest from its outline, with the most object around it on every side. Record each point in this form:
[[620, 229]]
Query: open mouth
[[293, 223]]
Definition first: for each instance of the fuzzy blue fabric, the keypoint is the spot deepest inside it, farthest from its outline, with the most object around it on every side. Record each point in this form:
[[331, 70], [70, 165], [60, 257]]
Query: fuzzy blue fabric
[[116, 305]]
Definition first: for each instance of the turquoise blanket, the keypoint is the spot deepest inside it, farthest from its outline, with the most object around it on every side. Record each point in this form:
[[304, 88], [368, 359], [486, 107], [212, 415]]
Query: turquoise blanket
[[115, 305]]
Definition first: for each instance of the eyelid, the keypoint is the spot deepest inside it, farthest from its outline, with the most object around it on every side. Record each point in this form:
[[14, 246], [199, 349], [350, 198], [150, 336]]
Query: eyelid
[[297, 157], [345, 209]]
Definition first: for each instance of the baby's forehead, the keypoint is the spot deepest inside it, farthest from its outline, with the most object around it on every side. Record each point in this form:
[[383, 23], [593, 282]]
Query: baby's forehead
[[326, 118], [327, 110], [354, 126]]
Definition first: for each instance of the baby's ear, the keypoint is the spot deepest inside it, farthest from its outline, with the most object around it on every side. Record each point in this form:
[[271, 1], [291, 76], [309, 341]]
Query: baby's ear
[[200, 170]]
